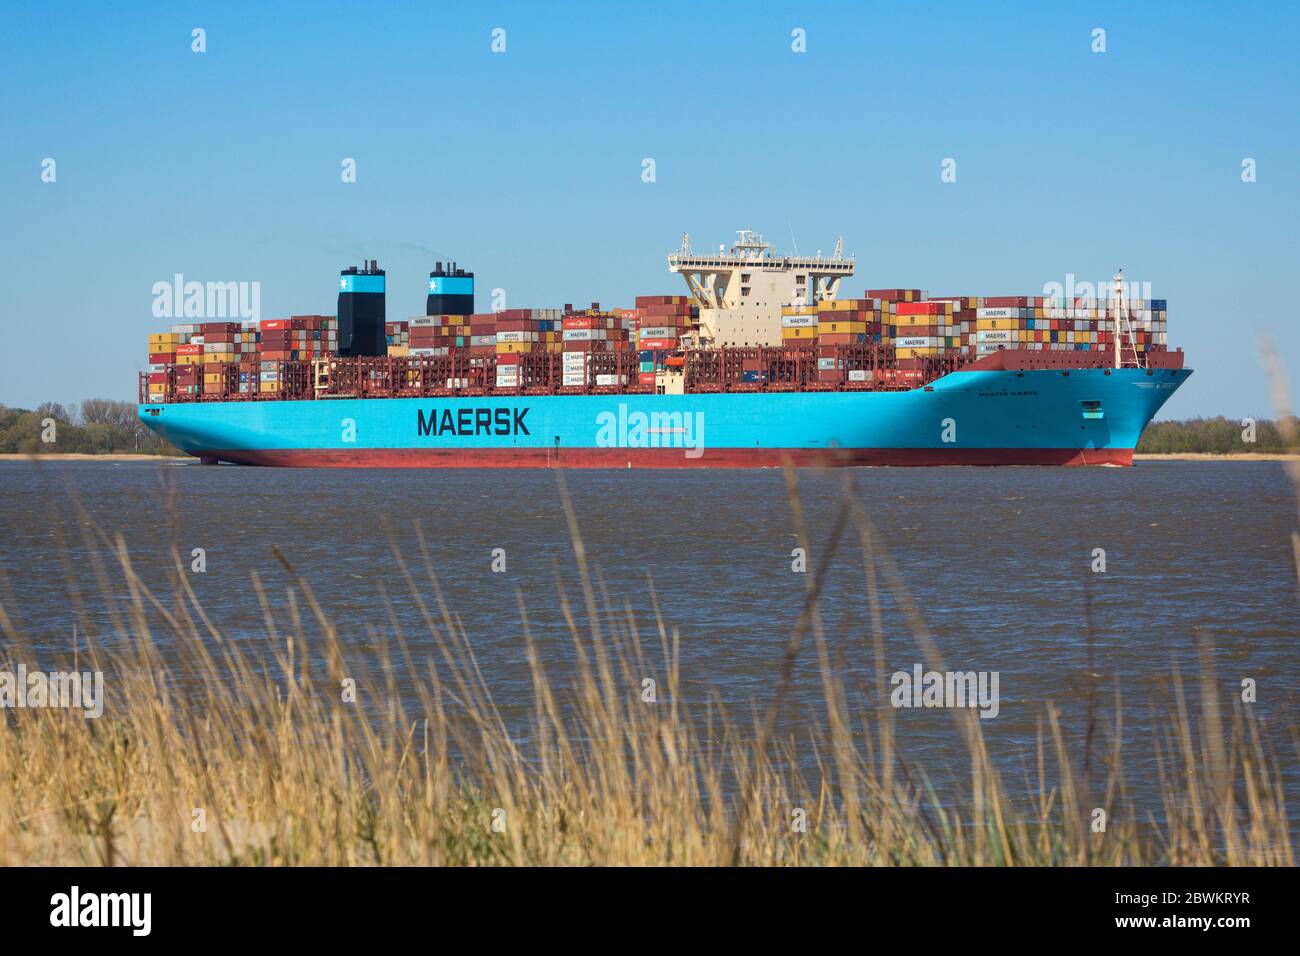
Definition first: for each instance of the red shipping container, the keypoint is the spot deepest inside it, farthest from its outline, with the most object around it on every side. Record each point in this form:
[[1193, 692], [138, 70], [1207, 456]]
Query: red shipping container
[[642, 301], [919, 308], [578, 322], [646, 378], [189, 350], [157, 378], [209, 327], [649, 312], [1006, 302], [656, 344], [161, 358]]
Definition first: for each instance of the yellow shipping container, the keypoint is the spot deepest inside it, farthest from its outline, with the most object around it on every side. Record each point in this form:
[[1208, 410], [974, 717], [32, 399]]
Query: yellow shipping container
[[189, 360], [161, 338], [212, 379], [918, 353], [798, 310], [807, 332], [513, 348], [992, 325], [842, 305], [840, 327], [157, 389], [268, 386], [399, 351]]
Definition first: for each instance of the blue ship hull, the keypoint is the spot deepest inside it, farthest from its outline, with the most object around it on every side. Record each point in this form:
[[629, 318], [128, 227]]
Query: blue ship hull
[[1043, 416]]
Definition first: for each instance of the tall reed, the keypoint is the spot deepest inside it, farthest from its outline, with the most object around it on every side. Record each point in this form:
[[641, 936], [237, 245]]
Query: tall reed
[[218, 751]]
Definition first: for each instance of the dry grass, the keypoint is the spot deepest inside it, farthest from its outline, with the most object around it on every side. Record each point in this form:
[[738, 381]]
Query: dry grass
[[288, 774]]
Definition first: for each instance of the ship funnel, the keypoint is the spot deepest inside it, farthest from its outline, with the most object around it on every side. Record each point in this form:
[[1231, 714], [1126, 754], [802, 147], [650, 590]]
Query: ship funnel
[[451, 290], [361, 310]]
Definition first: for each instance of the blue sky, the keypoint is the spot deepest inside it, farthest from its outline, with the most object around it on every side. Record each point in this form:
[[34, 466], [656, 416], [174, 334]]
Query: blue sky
[[526, 166]]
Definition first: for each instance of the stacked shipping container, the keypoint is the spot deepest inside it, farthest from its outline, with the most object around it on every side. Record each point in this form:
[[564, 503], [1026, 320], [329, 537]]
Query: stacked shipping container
[[227, 358], [917, 326], [662, 322], [588, 339], [891, 337]]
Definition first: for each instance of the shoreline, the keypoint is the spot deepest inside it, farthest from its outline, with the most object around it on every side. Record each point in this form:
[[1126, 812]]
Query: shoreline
[[85, 456], [1213, 456]]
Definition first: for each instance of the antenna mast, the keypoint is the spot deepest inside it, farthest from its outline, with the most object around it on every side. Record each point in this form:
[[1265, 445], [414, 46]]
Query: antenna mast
[[1123, 324]]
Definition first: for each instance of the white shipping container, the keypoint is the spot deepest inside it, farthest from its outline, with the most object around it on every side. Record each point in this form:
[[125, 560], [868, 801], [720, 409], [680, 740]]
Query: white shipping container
[[482, 340], [582, 335], [606, 379], [659, 332], [1007, 313], [918, 342], [798, 321], [575, 378], [858, 375], [993, 335], [508, 337]]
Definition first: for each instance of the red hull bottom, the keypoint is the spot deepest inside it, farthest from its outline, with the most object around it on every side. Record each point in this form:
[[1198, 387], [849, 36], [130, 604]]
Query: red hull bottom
[[664, 457]]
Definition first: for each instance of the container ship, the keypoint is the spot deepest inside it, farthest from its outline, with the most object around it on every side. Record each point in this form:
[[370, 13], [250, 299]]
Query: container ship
[[761, 363]]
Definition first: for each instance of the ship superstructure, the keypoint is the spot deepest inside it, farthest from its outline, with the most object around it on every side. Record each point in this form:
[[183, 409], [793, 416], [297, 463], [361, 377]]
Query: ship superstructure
[[741, 291]]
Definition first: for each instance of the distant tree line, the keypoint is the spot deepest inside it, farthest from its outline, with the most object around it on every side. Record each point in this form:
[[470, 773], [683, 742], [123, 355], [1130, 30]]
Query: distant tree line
[[1218, 436], [98, 426]]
